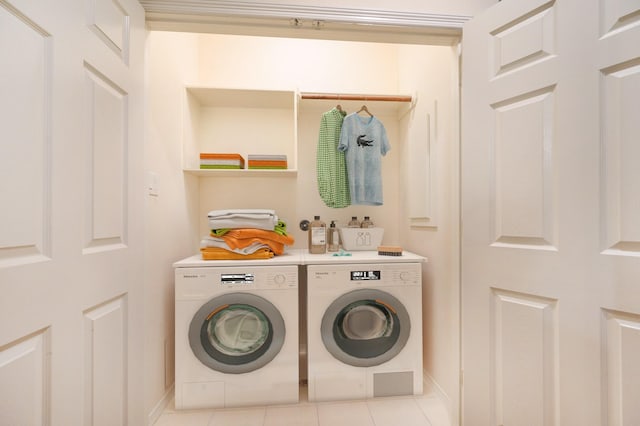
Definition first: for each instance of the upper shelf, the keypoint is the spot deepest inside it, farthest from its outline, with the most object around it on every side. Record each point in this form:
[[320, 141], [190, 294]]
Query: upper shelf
[[239, 121], [247, 121], [241, 98]]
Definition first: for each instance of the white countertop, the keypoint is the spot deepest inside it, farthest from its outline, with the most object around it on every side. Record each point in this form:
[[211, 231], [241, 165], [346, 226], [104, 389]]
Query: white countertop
[[303, 257], [290, 257], [371, 256]]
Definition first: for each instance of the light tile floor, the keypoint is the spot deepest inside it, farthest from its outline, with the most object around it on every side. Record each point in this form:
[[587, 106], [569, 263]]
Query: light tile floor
[[421, 410]]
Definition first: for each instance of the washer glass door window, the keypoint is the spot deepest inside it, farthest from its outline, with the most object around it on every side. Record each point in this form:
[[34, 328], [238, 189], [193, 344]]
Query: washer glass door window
[[365, 327], [237, 330], [237, 333]]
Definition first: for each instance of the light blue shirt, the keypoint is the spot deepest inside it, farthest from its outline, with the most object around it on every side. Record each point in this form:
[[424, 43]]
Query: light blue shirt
[[364, 142]]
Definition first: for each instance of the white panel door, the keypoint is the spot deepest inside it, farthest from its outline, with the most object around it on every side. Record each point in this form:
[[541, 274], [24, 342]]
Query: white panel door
[[71, 146], [550, 211]]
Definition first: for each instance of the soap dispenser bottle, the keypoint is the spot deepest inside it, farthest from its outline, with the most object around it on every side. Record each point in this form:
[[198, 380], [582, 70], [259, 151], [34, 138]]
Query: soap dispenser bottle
[[366, 223], [334, 237], [354, 222], [317, 236]]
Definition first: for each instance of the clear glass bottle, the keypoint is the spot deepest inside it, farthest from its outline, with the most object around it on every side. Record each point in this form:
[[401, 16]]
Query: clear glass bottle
[[317, 236], [334, 237], [354, 223], [366, 223]]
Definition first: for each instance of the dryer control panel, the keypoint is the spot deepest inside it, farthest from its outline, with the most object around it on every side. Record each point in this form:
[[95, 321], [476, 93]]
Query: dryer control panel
[[369, 275]]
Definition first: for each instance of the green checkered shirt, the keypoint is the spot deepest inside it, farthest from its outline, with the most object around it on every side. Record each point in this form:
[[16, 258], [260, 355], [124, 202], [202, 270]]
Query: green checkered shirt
[[333, 184]]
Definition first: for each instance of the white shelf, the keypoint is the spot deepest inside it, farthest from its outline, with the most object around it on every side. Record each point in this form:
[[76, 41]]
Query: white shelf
[[241, 173], [241, 98], [248, 121], [239, 121]]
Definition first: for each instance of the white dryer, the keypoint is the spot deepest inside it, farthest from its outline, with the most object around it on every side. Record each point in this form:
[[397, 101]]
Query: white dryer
[[236, 333], [364, 326]]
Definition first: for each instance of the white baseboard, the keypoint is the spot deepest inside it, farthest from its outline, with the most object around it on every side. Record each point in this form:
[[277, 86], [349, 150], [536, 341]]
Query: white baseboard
[[157, 411], [431, 387]]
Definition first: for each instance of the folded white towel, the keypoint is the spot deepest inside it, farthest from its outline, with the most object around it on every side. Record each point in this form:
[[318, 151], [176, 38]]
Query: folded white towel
[[243, 218], [266, 224], [243, 213]]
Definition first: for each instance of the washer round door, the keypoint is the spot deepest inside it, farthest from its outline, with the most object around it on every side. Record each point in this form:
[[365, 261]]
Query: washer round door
[[365, 327], [237, 333]]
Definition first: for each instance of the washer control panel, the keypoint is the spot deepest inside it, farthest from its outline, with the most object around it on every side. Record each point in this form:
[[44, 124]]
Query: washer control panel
[[249, 278], [235, 278]]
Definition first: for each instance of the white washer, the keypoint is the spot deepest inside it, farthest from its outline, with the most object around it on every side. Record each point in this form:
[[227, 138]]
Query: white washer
[[236, 332], [364, 326]]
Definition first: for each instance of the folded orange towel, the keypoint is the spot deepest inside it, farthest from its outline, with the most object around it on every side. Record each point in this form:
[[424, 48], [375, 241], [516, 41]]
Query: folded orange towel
[[244, 237], [259, 233], [216, 253]]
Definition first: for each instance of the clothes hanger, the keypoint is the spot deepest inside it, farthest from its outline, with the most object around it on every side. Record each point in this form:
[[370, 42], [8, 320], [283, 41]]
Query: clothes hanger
[[364, 108], [339, 107]]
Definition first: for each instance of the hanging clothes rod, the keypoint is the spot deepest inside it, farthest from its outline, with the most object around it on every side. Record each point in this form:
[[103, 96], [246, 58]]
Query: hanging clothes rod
[[341, 97]]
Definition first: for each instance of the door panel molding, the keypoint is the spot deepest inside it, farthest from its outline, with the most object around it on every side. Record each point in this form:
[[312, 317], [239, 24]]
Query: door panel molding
[[110, 23], [107, 165], [621, 346], [620, 164], [26, 361], [525, 41], [522, 181], [105, 360], [25, 107], [524, 358]]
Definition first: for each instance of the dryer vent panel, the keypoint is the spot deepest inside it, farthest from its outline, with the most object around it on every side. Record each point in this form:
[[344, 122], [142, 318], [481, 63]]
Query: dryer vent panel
[[393, 384]]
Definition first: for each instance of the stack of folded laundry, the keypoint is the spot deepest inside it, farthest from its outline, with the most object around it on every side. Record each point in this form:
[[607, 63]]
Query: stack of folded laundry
[[277, 162], [221, 161], [244, 234]]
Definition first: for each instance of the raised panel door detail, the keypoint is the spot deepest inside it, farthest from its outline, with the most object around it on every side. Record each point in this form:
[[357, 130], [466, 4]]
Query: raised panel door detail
[[25, 377], [524, 41], [618, 15], [524, 359], [110, 22], [106, 363], [522, 181], [106, 195], [621, 337], [620, 173], [25, 154]]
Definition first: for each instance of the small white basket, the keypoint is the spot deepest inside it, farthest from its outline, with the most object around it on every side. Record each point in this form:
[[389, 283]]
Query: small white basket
[[355, 239]]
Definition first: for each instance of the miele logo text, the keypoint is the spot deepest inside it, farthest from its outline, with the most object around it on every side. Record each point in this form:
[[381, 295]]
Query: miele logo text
[[322, 273], [189, 276]]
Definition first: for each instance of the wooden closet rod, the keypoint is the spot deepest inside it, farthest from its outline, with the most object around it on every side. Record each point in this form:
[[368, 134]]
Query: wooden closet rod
[[339, 97]]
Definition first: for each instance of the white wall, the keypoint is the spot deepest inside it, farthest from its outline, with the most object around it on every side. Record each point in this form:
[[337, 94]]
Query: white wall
[[170, 221], [179, 213], [439, 240], [307, 65]]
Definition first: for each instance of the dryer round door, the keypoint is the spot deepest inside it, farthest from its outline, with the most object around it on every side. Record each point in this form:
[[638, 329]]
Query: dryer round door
[[365, 327], [236, 333]]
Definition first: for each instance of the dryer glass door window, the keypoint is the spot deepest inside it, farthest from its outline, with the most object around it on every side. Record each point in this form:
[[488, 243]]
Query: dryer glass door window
[[237, 333], [366, 319], [365, 327]]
